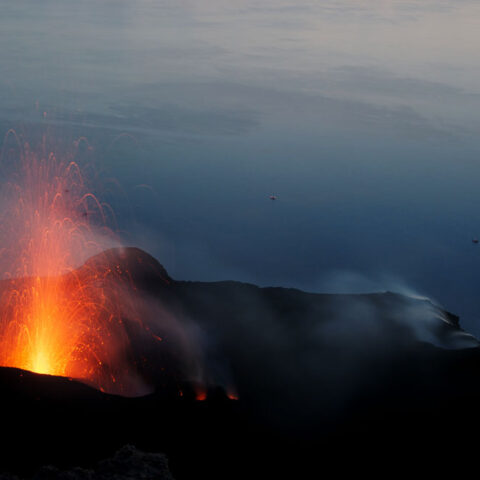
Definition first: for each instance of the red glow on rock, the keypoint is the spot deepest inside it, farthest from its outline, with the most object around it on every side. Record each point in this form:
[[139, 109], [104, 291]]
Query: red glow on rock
[[201, 394]]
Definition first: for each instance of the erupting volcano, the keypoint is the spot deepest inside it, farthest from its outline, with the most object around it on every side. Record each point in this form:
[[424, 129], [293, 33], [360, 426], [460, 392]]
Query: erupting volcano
[[57, 318]]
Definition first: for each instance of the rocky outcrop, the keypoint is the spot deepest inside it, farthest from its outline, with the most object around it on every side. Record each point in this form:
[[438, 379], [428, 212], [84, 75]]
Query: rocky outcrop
[[128, 463]]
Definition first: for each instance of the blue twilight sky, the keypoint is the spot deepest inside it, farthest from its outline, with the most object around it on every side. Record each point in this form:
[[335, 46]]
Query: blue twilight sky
[[361, 115]]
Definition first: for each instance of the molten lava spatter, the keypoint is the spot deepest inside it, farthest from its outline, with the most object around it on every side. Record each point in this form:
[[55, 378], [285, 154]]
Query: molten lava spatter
[[55, 319], [69, 305]]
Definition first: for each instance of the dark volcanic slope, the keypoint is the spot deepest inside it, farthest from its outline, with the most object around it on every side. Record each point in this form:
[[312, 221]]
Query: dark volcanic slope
[[324, 381], [128, 463]]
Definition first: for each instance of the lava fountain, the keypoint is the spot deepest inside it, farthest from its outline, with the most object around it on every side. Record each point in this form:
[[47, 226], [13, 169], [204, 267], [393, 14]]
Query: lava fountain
[[57, 318]]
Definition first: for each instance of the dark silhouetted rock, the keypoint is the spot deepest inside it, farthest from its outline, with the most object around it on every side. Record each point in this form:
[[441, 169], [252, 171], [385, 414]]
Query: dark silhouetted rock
[[379, 383], [128, 463]]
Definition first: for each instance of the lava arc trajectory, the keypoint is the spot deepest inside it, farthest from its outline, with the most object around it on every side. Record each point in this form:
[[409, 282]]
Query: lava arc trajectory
[[55, 318]]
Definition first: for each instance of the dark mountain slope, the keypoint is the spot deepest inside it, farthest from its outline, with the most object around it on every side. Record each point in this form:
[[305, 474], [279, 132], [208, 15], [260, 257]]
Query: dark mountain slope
[[377, 383]]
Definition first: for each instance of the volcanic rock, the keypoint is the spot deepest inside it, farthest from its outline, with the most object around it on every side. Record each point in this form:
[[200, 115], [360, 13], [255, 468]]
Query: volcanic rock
[[128, 463], [142, 267], [322, 381]]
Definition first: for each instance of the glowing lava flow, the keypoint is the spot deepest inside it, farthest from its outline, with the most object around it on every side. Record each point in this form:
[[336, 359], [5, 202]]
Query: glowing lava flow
[[55, 318]]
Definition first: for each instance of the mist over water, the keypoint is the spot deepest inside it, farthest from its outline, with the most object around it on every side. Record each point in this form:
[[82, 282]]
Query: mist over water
[[362, 117]]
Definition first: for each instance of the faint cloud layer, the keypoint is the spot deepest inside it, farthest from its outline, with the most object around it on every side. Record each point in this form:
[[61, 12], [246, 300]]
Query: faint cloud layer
[[234, 109]]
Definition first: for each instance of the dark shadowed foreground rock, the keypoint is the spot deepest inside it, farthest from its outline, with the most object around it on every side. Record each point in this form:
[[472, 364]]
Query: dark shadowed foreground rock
[[127, 464]]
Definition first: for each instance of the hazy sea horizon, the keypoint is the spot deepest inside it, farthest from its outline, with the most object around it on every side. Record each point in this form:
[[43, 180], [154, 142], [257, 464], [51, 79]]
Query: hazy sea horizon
[[361, 117]]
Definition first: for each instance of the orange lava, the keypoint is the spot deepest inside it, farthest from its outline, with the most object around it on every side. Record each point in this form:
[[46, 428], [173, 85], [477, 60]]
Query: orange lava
[[55, 318]]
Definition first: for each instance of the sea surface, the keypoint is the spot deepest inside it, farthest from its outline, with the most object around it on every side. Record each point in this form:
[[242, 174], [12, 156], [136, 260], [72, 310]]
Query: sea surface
[[362, 117]]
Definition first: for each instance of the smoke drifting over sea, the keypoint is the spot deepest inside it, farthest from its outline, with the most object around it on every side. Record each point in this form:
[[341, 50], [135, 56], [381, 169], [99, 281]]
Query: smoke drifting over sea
[[123, 325]]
